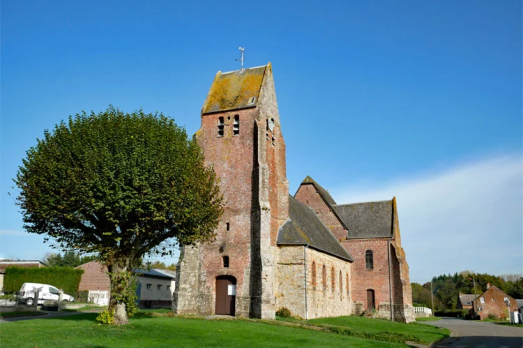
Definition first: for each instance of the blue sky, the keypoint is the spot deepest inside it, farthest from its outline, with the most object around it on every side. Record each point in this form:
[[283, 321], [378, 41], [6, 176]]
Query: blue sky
[[421, 100]]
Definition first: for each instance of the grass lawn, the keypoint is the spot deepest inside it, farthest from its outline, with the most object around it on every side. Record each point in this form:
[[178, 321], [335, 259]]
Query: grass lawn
[[153, 331], [425, 333], [428, 319]]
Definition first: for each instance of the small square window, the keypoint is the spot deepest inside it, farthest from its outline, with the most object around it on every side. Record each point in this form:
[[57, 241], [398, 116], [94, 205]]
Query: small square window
[[168, 287], [149, 286], [159, 287]]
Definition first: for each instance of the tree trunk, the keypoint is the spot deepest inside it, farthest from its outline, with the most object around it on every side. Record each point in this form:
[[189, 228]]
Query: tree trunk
[[120, 278]]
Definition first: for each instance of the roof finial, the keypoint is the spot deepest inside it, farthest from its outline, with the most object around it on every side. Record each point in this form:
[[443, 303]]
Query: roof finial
[[241, 59]]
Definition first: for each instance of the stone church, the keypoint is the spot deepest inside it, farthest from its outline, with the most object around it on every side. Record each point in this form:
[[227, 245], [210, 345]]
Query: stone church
[[272, 250]]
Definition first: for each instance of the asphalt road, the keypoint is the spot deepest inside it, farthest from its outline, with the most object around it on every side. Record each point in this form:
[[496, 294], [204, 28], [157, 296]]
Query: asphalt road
[[475, 334]]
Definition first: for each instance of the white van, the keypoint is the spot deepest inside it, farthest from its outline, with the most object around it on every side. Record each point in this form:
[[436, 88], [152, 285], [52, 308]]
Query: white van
[[46, 292]]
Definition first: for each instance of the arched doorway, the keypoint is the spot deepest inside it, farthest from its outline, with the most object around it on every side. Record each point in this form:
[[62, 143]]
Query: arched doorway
[[225, 295]]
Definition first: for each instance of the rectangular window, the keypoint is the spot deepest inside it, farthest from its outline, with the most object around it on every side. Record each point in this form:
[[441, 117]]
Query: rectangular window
[[159, 287], [482, 300], [149, 286], [236, 125], [168, 287], [221, 126]]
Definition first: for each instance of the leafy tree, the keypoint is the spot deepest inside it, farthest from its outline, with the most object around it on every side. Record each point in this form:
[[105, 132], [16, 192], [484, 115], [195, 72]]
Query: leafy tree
[[121, 186], [421, 295], [160, 265]]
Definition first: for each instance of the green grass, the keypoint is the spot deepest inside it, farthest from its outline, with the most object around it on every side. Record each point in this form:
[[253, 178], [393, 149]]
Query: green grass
[[428, 319], [423, 332], [151, 330]]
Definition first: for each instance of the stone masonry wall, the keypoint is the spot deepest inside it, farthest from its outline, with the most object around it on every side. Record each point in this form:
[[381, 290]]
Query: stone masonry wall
[[329, 301]]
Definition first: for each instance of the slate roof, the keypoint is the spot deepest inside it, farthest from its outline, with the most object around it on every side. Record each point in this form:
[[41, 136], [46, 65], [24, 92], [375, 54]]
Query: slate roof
[[520, 303], [466, 299], [153, 273], [232, 90], [367, 220], [305, 228]]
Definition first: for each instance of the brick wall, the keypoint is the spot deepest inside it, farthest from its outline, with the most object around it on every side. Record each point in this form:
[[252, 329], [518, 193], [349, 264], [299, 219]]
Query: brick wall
[[308, 195]]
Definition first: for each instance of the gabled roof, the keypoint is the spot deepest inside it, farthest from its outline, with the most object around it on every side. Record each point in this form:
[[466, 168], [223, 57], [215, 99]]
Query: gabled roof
[[233, 90], [305, 228], [323, 192], [367, 220], [466, 299], [325, 196]]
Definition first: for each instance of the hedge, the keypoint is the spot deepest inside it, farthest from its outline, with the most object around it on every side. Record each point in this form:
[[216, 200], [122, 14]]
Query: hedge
[[461, 313], [65, 278]]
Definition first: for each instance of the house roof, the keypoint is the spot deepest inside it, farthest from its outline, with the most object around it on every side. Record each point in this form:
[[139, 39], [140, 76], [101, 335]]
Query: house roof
[[305, 228], [154, 273], [367, 220], [520, 302], [233, 90], [466, 299]]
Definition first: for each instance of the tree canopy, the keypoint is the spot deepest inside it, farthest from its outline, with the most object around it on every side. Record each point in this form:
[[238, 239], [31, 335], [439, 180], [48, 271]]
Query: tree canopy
[[119, 185]]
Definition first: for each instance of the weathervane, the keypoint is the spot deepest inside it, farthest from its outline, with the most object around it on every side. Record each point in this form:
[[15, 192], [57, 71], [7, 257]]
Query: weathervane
[[241, 59]]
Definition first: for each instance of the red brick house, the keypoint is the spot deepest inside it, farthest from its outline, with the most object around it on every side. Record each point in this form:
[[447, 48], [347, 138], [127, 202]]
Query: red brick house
[[493, 302], [95, 277], [370, 233]]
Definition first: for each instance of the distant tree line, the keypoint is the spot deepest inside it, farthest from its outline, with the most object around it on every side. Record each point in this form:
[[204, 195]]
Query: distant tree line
[[446, 288], [68, 259], [74, 259]]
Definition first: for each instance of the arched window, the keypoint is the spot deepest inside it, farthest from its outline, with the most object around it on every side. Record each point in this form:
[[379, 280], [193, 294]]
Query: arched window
[[369, 260], [333, 280], [226, 261], [324, 278], [341, 285], [347, 284], [313, 275]]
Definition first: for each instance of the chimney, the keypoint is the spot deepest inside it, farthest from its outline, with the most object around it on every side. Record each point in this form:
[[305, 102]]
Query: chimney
[[488, 285]]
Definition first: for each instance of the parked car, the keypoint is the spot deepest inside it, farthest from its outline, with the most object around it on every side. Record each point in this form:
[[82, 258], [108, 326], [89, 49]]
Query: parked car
[[46, 292]]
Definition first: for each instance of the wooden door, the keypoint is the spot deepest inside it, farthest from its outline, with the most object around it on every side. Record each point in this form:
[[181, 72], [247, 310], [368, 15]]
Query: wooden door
[[225, 295], [370, 299]]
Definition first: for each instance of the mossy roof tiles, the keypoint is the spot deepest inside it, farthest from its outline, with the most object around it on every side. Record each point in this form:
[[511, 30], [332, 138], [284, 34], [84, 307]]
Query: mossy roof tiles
[[305, 228], [367, 220], [233, 90]]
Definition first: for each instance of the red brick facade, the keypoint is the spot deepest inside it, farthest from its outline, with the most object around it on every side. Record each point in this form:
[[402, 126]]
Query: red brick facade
[[95, 277], [493, 302]]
